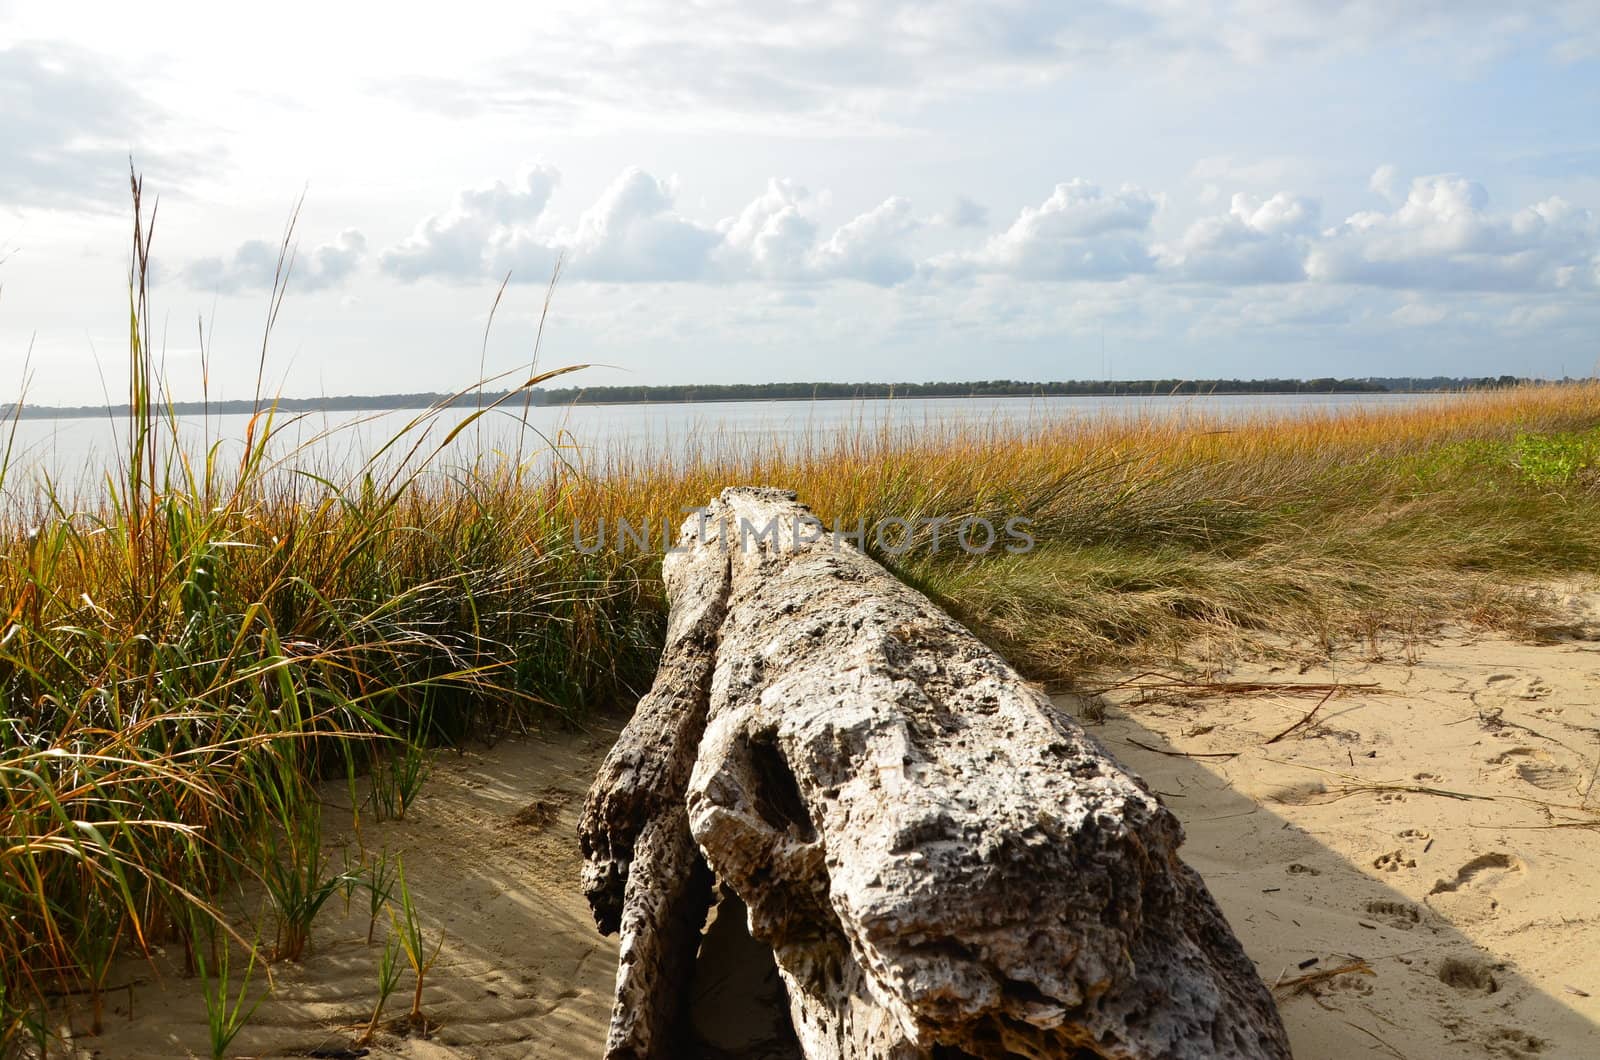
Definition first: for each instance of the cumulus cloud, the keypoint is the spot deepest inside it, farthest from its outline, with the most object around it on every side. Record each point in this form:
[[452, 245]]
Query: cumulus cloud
[[1445, 237], [483, 224], [1079, 233], [1255, 242], [772, 235], [633, 233], [871, 247], [775, 237], [1442, 235], [254, 266], [1385, 182]]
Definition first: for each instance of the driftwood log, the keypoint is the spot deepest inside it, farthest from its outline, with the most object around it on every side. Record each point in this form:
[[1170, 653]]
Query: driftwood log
[[942, 863]]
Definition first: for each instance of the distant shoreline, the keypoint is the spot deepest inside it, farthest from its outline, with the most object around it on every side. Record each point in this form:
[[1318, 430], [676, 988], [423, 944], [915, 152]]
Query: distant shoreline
[[698, 394]]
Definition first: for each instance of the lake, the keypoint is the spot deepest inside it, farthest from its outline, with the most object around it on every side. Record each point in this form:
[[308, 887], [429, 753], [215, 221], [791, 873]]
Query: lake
[[75, 454]]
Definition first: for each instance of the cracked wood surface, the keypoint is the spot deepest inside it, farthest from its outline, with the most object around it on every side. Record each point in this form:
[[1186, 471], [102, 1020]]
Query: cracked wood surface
[[942, 863]]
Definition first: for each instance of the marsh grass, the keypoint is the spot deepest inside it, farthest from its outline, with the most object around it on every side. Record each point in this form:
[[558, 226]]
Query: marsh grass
[[184, 657], [298, 881], [397, 778], [229, 1005], [408, 929], [389, 969], [379, 880]]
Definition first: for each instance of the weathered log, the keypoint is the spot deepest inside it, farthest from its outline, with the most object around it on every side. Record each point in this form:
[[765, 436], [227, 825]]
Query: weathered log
[[642, 873], [942, 863]]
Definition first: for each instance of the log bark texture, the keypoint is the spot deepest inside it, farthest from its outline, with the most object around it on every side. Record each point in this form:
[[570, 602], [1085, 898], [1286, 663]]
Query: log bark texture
[[943, 863], [642, 873]]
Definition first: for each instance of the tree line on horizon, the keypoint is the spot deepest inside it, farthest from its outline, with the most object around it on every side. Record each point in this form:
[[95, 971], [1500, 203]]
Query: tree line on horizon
[[687, 393]]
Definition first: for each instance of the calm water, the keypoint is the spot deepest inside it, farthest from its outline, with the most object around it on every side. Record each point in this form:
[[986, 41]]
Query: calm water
[[76, 454]]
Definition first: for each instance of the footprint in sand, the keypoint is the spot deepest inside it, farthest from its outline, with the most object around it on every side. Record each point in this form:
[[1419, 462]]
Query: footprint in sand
[[1470, 894], [1483, 872], [542, 812], [1468, 975], [1416, 835], [1401, 915], [1393, 861], [1573, 618], [1533, 766], [1513, 1042], [1499, 690], [1304, 793], [1298, 869]]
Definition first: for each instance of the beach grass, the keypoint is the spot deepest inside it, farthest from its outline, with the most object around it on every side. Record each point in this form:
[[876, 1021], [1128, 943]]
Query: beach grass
[[188, 654]]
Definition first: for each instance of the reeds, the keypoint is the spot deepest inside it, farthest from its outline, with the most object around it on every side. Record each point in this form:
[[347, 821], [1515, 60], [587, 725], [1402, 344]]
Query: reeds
[[183, 658]]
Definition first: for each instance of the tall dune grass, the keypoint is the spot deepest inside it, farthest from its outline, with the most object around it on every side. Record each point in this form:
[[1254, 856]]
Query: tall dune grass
[[184, 658]]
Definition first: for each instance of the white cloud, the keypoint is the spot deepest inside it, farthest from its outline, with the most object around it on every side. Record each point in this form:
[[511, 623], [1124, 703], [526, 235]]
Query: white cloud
[[330, 263], [632, 234], [772, 235], [1079, 233], [1443, 236], [481, 226], [1385, 181], [1281, 214], [775, 238], [254, 266], [871, 247], [1255, 242]]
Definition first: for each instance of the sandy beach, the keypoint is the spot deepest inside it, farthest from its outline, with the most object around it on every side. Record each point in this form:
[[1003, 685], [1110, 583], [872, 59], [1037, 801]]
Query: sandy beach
[[1429, 830], [1419, 830]]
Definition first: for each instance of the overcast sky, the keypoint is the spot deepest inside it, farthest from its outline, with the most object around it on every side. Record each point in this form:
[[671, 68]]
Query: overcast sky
[[752, 191]]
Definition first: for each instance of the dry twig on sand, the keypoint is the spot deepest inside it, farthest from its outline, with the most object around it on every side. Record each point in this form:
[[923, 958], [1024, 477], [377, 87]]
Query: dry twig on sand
[[1182, 754], [1301, 983], [1309, 714]]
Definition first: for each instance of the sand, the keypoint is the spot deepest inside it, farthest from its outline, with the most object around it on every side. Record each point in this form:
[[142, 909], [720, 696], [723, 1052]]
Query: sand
[[1418, 826], [1419, 831], [491, 859]]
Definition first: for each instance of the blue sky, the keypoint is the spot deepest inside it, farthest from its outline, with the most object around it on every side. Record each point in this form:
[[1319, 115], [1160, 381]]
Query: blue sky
[[780, 191]]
